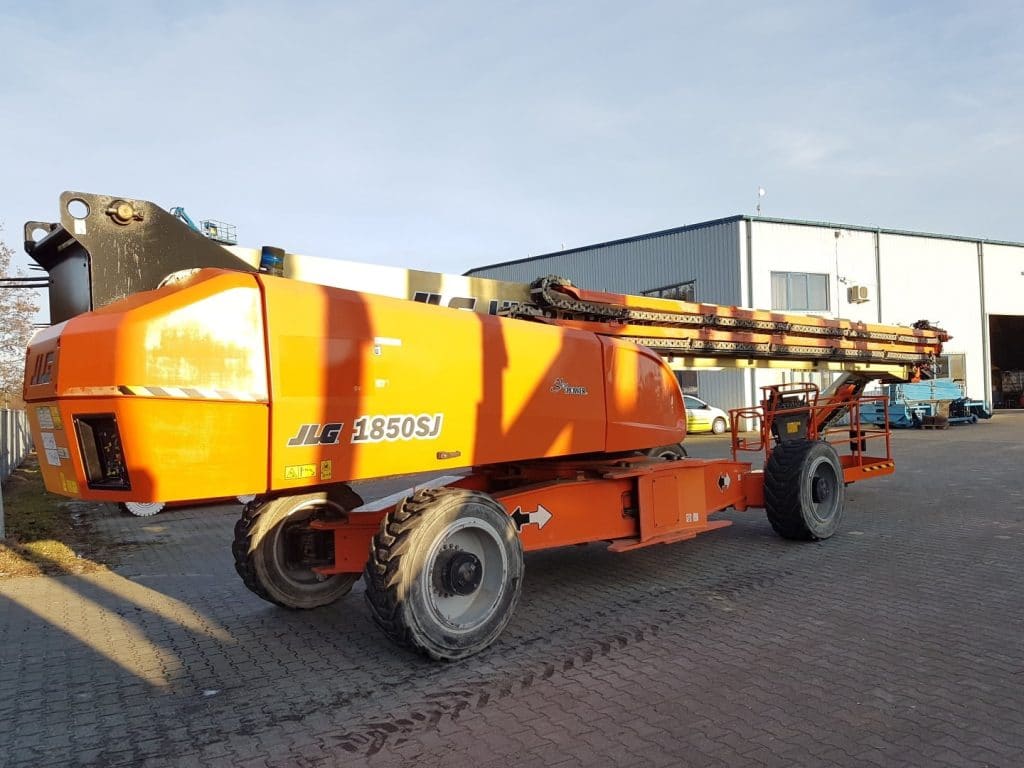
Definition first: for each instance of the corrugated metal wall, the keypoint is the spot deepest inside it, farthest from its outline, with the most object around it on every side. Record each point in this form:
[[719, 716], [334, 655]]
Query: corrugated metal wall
[[723, 389], [707, 254]]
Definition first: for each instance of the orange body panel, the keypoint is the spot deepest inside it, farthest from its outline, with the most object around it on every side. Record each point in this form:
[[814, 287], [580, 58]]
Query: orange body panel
[[632, 503], [233, 383], [206, 335], [644, 401], [682, 495], [415, 387], [181, 371], [173, 451]]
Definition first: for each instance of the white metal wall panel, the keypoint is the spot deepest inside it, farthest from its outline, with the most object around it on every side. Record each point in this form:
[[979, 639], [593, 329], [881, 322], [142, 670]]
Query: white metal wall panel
[[937, 280], [779, 247], [1004, 279]]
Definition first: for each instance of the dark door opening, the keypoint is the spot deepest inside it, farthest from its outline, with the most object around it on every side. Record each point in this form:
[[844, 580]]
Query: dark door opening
[[1006, 343], [687, 382]]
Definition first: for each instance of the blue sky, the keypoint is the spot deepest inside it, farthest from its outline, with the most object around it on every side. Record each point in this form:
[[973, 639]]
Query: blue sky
[[447, 135]]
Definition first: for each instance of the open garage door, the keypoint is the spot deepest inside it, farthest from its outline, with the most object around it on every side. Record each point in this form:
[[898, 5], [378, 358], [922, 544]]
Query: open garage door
[[1006, 342]]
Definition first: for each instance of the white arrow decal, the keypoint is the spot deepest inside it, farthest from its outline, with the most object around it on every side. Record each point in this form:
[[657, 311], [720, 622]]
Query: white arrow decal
[[539, 517]]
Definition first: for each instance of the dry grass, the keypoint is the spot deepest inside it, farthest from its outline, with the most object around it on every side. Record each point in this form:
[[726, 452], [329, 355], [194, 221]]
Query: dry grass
[[44, 533]]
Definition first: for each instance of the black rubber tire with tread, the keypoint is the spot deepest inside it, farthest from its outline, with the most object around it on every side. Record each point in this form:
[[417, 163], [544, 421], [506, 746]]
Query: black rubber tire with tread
[[672, 452], [788, 494], [398, 565], [256, 559]]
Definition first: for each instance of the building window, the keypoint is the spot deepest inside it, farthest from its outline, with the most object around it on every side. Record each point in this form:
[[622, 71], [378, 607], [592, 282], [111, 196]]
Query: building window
[[801, 291], [679, 291], [687, 381]]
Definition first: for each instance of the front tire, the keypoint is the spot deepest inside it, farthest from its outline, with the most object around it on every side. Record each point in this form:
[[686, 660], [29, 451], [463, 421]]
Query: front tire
[[804, 490], [445, 572], [275, 549], [718, 426], [142, 508]]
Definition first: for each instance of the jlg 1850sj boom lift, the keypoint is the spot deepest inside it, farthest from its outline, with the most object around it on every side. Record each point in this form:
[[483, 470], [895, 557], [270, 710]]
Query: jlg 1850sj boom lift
[[227, 381]]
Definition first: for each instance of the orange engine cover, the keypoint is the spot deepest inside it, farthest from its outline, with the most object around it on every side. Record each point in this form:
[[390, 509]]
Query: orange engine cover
[[235, 383]]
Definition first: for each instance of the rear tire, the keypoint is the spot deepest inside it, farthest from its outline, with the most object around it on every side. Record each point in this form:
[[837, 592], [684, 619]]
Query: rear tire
[[804, 490], [445, 572], [266, 540]]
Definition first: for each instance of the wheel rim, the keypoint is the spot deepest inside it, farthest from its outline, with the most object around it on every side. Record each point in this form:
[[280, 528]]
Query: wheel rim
[[824, 490], [465, 573], [718, 427], [143, 508], [294, 533]]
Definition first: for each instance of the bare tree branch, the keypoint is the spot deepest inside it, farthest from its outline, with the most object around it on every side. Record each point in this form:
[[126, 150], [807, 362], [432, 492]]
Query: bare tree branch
[[18, 308]]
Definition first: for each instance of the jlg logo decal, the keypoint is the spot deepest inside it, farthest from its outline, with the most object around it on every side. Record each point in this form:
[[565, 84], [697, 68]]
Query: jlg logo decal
[[314, 434]]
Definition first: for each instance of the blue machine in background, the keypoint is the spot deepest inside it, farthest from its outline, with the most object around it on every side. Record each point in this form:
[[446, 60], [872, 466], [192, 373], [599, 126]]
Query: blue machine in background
[[218, 231], [920, 403]]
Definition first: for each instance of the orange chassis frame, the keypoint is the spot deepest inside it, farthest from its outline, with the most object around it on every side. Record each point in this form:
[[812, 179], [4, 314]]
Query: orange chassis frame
[[636, 502]]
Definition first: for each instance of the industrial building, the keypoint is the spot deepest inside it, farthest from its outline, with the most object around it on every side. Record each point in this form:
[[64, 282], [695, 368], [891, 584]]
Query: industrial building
[[972, 287]]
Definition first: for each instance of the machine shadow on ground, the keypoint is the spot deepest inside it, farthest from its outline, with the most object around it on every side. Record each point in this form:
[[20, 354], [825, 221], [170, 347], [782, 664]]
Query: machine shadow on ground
[[899, 635]]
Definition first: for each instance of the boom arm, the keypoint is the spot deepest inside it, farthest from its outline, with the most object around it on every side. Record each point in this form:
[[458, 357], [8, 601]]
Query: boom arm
[[119, 247], [684, 328]]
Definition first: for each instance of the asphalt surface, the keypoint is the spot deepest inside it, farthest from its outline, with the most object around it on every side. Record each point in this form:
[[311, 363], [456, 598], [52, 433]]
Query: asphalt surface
[[900, 641]]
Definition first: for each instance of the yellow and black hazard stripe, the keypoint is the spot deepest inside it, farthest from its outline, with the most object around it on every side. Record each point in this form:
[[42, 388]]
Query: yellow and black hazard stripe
[[192, 393], [879, 467]]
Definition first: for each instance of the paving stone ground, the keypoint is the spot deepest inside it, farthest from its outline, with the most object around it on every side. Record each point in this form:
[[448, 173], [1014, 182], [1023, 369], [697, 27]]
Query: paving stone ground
[[900, 641]]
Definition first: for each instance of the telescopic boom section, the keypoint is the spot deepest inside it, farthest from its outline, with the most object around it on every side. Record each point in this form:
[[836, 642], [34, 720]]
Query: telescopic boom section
[[689, 329]]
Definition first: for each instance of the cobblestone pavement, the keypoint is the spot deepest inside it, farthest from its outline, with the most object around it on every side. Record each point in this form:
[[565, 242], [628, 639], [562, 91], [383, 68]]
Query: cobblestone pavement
[[898, 642]]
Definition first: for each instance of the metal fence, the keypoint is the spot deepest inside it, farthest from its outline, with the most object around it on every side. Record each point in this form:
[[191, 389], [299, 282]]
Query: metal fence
[[15, 441]]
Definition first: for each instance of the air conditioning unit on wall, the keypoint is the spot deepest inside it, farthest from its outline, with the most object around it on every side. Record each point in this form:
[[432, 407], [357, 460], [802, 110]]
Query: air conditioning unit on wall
[[857, 294]]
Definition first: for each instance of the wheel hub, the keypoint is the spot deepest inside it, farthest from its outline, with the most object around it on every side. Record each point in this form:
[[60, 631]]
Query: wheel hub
[[461, 573], [305, 548], [821, 490]]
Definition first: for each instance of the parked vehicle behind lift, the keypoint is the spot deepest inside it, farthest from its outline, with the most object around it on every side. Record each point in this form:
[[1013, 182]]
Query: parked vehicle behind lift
[[701, 417]]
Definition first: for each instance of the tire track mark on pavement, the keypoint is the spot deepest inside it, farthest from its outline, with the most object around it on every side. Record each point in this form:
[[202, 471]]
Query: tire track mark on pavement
[[372, 735], [651, 613]]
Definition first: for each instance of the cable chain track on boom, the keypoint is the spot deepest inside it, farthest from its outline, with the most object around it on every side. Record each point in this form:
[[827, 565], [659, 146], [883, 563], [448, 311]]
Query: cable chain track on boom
[[551, 299]]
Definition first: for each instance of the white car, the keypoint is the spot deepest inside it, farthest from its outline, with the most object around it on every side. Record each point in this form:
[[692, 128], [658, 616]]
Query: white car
[[701, 417]]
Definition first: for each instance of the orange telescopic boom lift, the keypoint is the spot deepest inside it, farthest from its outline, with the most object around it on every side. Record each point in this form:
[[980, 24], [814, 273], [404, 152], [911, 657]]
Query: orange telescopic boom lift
[[180, 369]]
